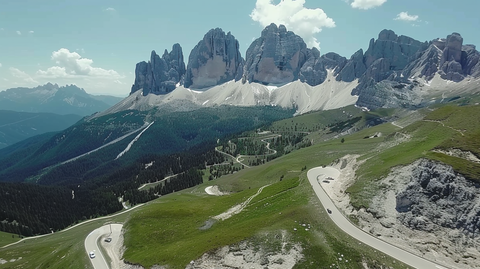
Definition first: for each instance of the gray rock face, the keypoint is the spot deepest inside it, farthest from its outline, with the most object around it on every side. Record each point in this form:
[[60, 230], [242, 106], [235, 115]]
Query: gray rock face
[[447, 57], [314, 70], [450, 63], [160, 75], [353, 69], [439, 196], [387, 94], [397, 58], [397, 49], [471, 60], [214, 60], [276, 57], [426, 63]]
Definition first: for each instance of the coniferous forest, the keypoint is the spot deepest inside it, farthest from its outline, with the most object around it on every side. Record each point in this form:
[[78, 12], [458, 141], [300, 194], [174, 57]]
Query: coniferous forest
[[44, 187]]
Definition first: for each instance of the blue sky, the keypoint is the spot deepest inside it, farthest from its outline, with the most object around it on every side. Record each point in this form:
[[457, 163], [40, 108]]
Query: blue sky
[[95, 44]]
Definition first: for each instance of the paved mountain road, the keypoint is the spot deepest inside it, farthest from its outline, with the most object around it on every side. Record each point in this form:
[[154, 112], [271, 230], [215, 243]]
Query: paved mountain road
[[316, 176], [92, 243]]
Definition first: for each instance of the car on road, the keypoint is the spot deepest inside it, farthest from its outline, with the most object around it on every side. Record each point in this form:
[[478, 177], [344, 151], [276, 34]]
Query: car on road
[[108, 240], [329, 211], [92, 255]]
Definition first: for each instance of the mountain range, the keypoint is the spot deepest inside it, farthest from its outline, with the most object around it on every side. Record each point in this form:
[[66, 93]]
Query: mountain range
[[51, 98], [279, 69]]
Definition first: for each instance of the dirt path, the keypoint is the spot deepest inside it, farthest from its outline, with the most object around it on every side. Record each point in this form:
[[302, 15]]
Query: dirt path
[[236, 159], [238, 208], [156, 182], [443, 124]]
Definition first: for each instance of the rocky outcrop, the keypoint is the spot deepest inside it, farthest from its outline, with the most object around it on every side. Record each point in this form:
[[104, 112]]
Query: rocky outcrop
[[446, 56], [425, 65], [160, 75], [471, 60], [276, 57], [353, 69], [214, 60], [437, 195], [385, 58], [395, 60], [314, 71], [396, 49]]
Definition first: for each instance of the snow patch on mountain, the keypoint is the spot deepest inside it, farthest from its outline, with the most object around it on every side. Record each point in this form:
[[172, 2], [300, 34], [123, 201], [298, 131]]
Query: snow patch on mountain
[[331, 94]]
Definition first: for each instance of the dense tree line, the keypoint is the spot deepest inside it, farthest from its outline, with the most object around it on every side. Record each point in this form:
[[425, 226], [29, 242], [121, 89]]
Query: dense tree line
[[178, 144], [30, 209]]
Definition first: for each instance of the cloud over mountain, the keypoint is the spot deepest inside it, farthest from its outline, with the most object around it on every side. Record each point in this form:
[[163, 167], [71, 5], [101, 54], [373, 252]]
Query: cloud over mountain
[[70, 64], [404, 16], [295, 16]]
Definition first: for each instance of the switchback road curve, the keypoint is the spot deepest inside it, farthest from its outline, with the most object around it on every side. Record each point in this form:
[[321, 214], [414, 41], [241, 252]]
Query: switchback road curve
[[316, 176]]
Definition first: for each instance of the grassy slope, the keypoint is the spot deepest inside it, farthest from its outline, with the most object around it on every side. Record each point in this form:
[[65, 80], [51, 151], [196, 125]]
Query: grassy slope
[[59, 250], [382, 153], [172, 222], [177, 216], [439, 129], [7, 238]]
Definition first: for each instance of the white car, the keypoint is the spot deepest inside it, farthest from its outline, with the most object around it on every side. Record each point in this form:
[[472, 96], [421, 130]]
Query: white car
[[92, 255]]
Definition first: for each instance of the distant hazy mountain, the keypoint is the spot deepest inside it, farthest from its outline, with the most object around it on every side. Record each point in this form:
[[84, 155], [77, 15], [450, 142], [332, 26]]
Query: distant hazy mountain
[[51, 98], [107, 99], [395, 71], [17, 126]]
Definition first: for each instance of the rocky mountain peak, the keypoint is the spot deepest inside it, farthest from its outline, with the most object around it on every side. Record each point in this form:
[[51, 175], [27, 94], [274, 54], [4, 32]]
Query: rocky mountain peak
[[216, 59], [50, 86], [276, 57], [353, 68], [398, 49], [161, 74], [446, 56], [386, 35]]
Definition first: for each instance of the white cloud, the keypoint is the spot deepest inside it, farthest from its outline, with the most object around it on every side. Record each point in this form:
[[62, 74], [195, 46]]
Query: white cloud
[[367, 4], [71, 64], [110, 9], [303, 21], [54, 72], [24, 77], [72, 68], [1, 29], [0, 64], [403, 16], [31, 32], [19, 33]]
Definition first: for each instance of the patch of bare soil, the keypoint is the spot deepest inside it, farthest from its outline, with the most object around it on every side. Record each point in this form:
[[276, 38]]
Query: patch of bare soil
[[276, 252]]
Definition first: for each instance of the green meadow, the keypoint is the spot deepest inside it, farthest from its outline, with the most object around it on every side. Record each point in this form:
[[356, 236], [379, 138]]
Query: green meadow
[[171, 230]]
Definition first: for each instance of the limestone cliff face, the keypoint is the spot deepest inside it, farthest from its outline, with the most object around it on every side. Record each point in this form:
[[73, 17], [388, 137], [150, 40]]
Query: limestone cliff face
[[314, 71], [214, 60], [388, 71], [160, 75], [395, 49], [436, 195], [276, 57]]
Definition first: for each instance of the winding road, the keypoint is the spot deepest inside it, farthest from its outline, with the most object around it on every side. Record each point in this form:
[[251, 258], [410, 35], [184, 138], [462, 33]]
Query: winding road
[[91, 245], [316, 176], [93, 242]]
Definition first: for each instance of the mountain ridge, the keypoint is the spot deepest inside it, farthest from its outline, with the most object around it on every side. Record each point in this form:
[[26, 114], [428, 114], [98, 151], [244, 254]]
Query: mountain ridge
[[392, 72], [52, 98]]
